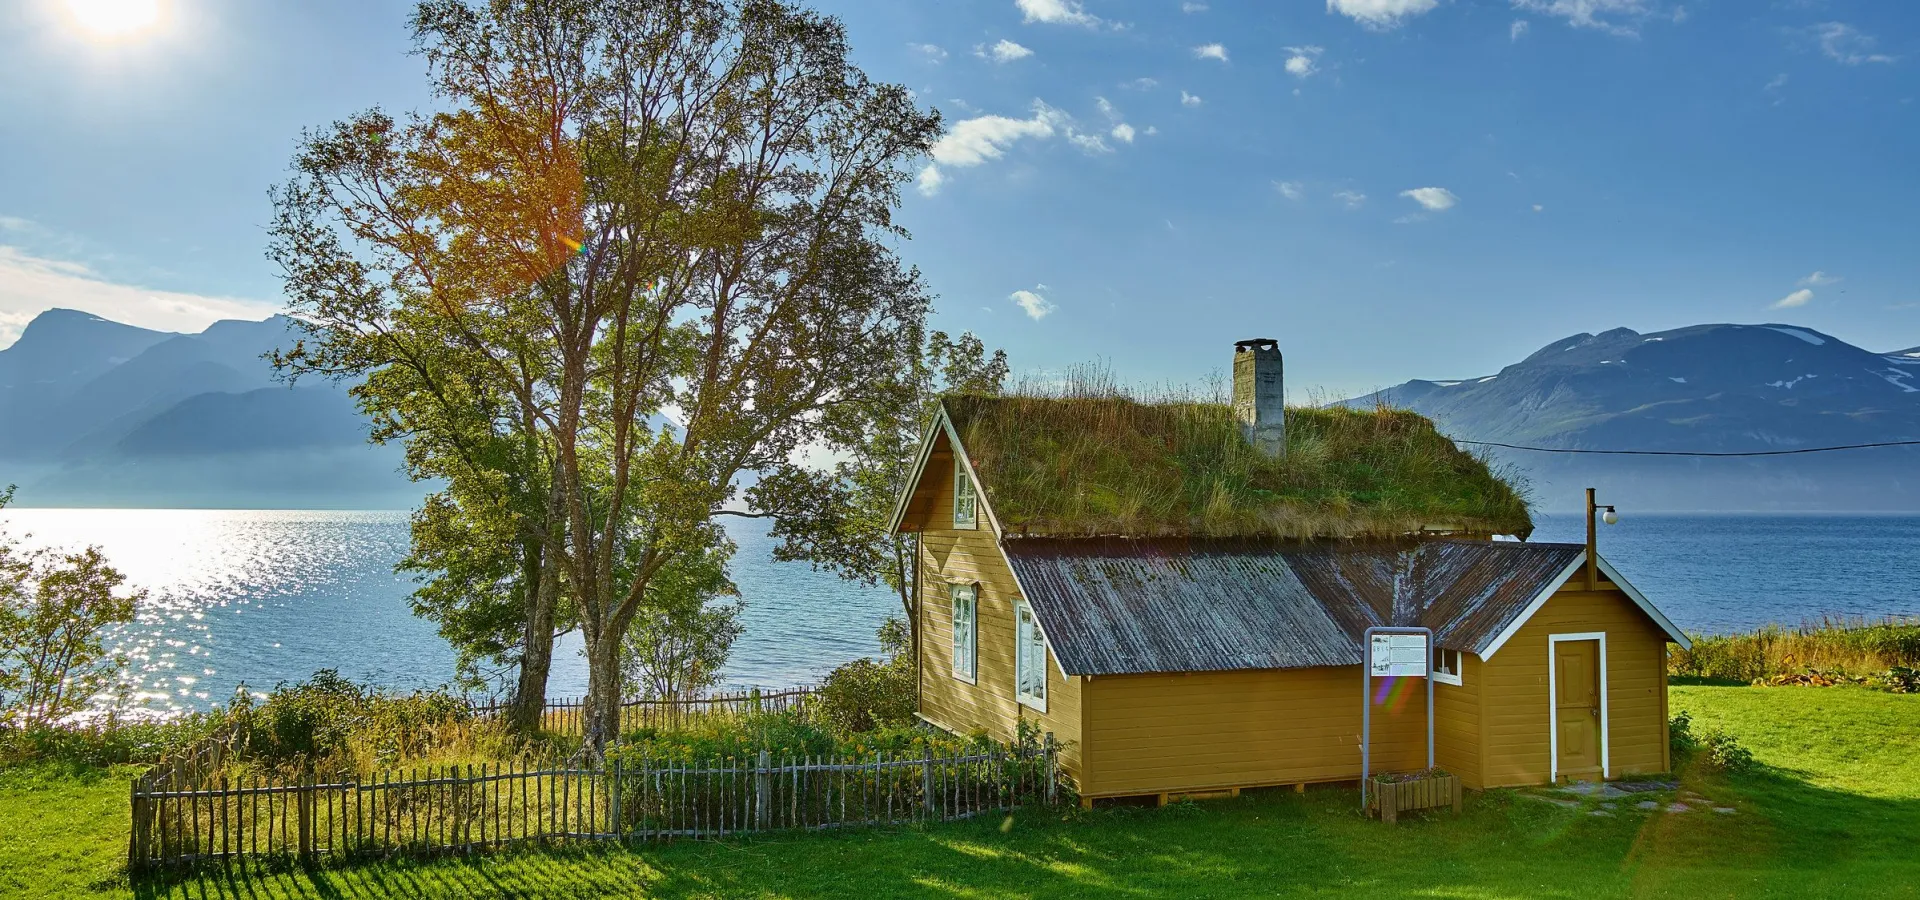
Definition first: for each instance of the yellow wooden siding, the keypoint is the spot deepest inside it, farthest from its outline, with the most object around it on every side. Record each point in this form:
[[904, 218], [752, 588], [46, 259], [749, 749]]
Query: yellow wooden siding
[[1456, 723], [1149, 734], [971, 556], [1516, 741]]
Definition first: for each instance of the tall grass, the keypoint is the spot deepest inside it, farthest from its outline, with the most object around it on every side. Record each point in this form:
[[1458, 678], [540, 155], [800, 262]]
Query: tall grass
[[1082, 456], [1853, 647]]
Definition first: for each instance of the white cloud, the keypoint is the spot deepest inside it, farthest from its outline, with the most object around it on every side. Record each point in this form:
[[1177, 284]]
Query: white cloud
[[1518, 29], [1434, 199], [1211, 51], [1538, 208], [1795, 299], [29, 284], [1151, 131], [1036, 306], [1777, 82], [933, 52], [1289, 189], [1380, 13], [1056, 12], [930, 180], [1846, 45], [1353, 199], [1818, 279], [1617, 17], [1187, 99], [1141, 84], [1088, 143], [1123, 133], [1301, 63], [983, 138], [1191, 7], [1106, 107], [1003, 51]]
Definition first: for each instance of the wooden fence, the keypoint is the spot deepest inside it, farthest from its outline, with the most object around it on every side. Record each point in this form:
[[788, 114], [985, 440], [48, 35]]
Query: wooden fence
[[565, 717], [466, 808], [188, 809]]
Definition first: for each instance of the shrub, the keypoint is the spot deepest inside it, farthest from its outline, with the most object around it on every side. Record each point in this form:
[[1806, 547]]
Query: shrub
[[333, 723], [708, 738], [1713, 748], [1898, 680], [103, 743], [864, 695], [1834, 647], [1723, 751]]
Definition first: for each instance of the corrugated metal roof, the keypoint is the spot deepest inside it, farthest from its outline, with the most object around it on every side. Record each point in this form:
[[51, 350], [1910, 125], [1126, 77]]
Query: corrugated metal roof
[[1114, 607]]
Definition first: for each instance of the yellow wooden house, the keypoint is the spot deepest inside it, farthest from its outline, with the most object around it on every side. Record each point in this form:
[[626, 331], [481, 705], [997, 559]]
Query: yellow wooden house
[[1178, 593]]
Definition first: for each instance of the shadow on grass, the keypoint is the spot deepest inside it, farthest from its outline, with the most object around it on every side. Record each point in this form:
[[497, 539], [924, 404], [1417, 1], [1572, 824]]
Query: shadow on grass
[[1788, 838]]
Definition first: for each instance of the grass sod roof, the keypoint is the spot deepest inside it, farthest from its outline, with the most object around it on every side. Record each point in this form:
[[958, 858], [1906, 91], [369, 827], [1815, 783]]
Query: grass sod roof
[[1112, 465]]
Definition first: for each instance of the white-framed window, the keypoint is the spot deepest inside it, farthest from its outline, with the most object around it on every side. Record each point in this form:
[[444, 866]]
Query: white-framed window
[[1446, 665], [964, 503], [966, 615], [1030, 658]]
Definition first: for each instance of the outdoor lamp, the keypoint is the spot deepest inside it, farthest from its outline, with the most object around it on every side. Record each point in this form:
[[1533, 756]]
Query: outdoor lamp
[[1610, 517]]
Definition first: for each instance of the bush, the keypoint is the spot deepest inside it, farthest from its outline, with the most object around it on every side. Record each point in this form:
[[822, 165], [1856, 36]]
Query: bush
[[720, 737], [1898, 680], [104, 743], [1833, 647], [865, 695], [1713, 748], [332, 723]]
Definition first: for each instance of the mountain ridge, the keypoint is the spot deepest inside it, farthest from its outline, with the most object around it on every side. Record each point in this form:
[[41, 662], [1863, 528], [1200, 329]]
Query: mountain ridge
[[1711, 388]]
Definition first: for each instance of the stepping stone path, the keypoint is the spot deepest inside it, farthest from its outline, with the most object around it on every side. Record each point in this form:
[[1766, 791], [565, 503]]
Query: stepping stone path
[[1725, 810], [1648, 804]]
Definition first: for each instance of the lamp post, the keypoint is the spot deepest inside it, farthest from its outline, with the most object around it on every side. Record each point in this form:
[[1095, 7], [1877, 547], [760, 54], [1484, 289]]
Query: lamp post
[[1593, 552]]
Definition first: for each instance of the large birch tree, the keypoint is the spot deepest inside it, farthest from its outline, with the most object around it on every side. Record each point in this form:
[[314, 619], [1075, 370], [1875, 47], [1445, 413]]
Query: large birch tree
[[643, 249]]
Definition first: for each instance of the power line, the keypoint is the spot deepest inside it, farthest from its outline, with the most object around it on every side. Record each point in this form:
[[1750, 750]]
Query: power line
[[1691, 452]]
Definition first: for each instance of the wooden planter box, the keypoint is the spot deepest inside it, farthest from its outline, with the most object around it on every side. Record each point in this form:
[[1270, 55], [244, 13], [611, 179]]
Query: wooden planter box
[[1388, 799]]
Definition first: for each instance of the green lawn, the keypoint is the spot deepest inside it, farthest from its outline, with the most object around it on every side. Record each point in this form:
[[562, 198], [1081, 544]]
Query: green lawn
[[1835, 814]]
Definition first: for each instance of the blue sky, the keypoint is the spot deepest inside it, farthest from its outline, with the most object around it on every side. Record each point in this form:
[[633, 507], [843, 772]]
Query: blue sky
[[1392, 188]]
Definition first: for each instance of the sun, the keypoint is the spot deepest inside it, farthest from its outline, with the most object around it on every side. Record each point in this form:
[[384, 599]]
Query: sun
[[109, 19]]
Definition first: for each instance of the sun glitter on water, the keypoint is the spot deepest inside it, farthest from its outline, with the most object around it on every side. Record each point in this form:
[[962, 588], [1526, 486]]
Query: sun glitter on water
[[114, 19]]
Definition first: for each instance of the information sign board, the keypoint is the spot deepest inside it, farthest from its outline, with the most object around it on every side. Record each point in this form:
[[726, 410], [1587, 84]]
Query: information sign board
[[1398, 656]]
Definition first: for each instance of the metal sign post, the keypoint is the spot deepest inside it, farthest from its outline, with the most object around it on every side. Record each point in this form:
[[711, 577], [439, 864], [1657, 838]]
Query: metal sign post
[[1392, 652]]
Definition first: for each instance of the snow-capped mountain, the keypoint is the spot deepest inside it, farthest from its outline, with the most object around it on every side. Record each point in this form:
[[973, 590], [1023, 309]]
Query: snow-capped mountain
[[1708, 388]]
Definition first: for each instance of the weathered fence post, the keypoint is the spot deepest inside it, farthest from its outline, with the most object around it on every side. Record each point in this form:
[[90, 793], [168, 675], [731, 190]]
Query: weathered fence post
[[303, 806], [926, 779], [763, 792], [613, 798], [136, 836], [1052, 776]]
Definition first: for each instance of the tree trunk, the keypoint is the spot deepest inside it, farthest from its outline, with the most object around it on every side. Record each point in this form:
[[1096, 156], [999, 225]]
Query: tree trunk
[[603, 692], [536, 656]]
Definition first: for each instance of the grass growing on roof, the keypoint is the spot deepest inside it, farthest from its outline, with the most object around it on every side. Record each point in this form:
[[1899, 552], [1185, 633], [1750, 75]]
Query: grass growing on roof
[[1088, 459]]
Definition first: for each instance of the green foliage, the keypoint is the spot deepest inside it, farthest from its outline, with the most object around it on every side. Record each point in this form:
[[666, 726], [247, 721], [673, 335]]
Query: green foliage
[[1898, 680], [683, 632], [1852, 649], [866, 694], [106, 742], [869, 694], [55, 611], [1090, 459], [1712, 747], [711, 738], [333, 724]]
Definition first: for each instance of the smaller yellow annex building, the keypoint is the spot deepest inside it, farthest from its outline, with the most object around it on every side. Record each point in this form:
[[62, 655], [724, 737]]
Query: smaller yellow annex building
[[1178, 592]]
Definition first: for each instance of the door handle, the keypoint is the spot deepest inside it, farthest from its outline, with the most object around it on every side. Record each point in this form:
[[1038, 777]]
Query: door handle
[[1595, 711]]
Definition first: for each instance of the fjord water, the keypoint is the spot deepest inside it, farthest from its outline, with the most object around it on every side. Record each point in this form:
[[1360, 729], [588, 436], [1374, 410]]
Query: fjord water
[[267, 596]]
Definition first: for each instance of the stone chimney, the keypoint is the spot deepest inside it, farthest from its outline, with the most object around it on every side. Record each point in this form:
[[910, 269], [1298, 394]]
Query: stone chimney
[[1259, 395]]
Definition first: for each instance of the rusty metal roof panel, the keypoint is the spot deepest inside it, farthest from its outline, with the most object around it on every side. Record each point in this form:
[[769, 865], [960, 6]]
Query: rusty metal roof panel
[[1128, 607], [1138, 606]]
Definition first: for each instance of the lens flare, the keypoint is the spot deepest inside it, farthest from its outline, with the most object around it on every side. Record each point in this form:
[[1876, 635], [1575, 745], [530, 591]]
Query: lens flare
[[108, 19]]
